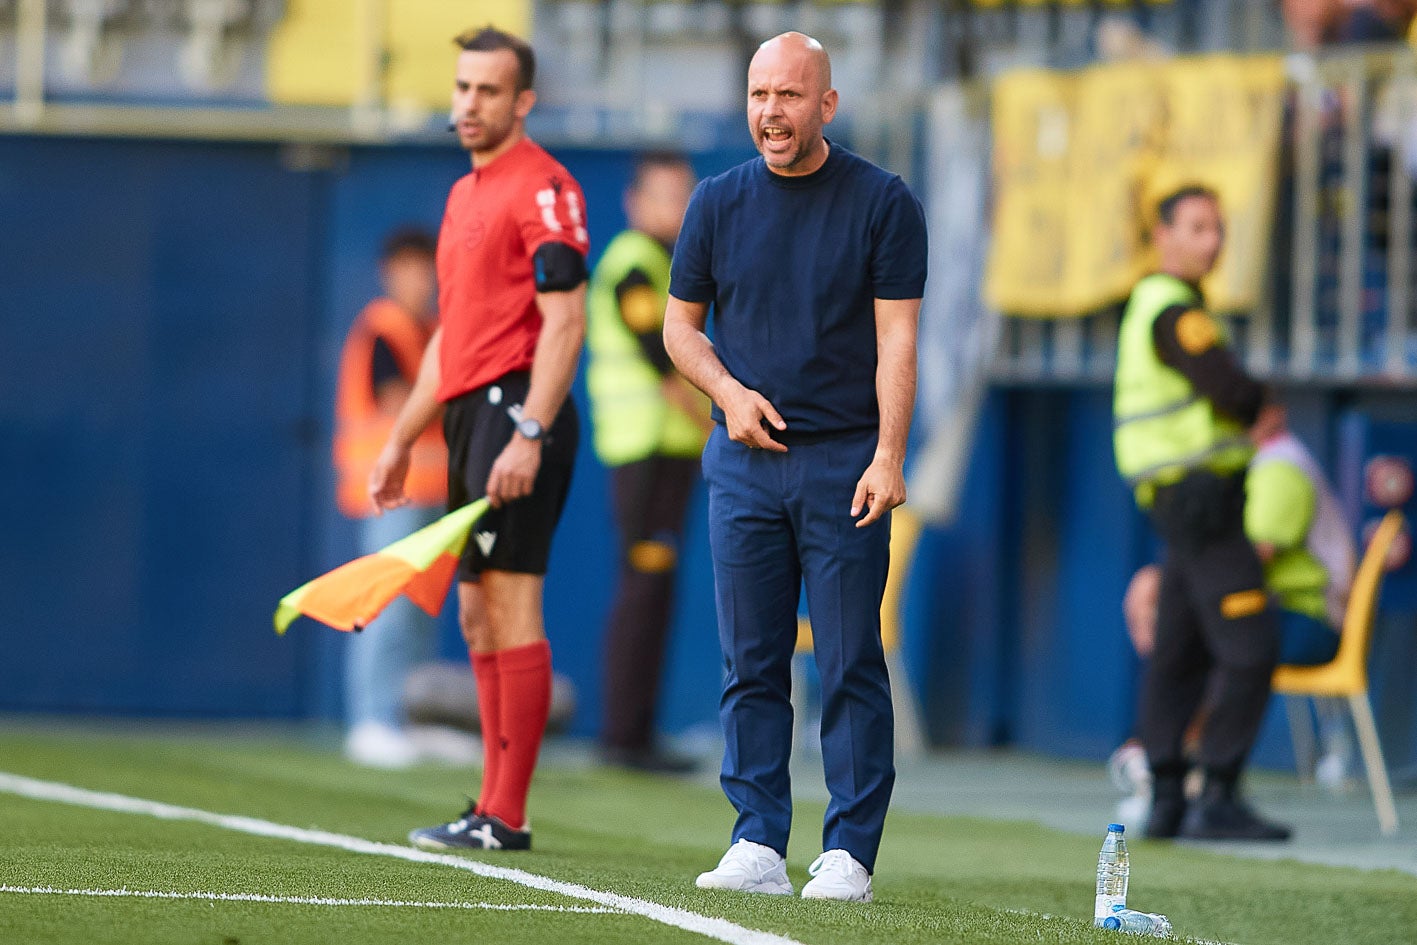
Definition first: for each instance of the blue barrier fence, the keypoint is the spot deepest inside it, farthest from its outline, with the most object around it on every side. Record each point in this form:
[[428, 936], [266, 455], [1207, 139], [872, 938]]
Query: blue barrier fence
[[170, 322]]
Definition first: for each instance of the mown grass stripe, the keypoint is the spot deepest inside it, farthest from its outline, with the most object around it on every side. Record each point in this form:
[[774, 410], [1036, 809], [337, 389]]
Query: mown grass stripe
[[301, 900], [708, 926]]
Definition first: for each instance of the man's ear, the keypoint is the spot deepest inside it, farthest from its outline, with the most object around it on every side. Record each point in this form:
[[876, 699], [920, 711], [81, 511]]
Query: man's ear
[[829, 100], [526, 98]]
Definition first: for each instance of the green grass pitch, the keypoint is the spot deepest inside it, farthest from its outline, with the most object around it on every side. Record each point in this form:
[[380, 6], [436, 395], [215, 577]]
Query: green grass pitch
[[940, 879]]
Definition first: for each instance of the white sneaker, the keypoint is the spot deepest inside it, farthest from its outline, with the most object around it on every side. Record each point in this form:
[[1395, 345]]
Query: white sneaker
[[1131, 774], [837, 875], [1134, 810], [749, 867], [376, 745], [1331, 773], [1129, 770]]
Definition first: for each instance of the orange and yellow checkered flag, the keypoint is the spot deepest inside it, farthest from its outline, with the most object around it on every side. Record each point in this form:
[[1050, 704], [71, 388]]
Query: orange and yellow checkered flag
[[421, 567]]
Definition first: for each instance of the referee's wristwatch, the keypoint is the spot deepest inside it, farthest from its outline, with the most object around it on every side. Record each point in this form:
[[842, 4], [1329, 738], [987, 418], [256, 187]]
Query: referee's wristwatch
[[530, 429]]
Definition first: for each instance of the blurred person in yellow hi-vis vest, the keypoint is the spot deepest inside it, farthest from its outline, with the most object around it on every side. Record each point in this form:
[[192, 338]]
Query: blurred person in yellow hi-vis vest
[[650, 426], [1306, 546], [1186, 417], [1304, 542], [377, 367]]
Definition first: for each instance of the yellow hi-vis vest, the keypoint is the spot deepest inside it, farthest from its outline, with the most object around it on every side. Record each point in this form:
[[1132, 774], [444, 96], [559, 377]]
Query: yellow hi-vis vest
[[1163, 428], [632, 419]]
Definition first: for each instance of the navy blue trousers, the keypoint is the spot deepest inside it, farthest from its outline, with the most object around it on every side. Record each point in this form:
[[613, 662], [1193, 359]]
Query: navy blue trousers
[[775, 521]]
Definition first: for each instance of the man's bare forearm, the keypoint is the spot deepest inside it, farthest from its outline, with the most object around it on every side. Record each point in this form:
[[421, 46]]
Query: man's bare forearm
[[698, 362], [746, 413], [421, 407], [691, 350], [558, 353], [896, 322]]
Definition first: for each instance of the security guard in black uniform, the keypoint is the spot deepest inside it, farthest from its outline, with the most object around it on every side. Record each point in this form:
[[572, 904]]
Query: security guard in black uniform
[[1185, 413]]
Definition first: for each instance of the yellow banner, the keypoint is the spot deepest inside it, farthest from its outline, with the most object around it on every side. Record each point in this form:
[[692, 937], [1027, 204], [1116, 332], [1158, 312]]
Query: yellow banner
[[1080, 159], [1226, 114], [333, 52], [1033, 129]]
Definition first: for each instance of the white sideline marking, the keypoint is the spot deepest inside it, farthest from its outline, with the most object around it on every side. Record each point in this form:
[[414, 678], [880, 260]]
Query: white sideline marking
[[707, 926], [302, 900]]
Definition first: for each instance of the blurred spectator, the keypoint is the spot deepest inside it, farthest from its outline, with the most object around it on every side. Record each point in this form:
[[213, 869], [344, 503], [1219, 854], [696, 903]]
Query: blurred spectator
[[1376, 21], [650, 428], [1316, 23], [377, 369], [1310, 22], [1120, 39]]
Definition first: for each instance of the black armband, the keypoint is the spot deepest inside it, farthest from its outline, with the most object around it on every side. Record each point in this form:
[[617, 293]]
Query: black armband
[[558, 267]]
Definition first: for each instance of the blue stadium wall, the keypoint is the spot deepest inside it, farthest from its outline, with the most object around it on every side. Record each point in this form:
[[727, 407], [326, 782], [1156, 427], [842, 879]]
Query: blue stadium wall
[[172, 316], [1015, 636]]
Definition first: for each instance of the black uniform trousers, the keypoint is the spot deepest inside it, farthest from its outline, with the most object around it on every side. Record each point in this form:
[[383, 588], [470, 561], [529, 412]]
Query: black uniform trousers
[[650, 498], [1217, 633]]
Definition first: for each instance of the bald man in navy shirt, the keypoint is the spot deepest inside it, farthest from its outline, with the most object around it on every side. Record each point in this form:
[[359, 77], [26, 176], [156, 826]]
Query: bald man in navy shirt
[[813, 262]]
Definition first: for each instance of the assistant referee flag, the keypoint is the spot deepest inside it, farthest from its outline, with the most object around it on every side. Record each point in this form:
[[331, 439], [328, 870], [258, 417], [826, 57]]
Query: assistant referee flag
[[421, 566]]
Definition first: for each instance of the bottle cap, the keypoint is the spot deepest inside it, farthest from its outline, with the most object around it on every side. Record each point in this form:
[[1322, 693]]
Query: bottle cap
[[1111, 922], [1116, 828]]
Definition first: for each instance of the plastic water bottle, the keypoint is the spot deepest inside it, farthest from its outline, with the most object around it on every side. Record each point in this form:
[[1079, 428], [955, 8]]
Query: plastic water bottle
[[1112, 872], [1138, 923]]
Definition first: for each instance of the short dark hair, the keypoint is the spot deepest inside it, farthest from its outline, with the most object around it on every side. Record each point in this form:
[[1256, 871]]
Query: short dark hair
[[491, 39], [1166, 206], [647, 161], [408, 239]]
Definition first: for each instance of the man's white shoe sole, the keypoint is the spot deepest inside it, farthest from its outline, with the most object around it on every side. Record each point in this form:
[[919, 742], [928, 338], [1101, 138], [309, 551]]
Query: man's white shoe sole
[[809, 893], [864, 897], [706, 881]]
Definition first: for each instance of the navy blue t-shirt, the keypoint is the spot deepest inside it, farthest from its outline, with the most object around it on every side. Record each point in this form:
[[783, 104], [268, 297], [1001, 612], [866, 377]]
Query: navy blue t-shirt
[[792, 266]]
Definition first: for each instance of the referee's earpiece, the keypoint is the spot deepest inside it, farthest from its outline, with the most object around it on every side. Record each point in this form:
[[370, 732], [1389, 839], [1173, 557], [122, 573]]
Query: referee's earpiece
[[453, 119]]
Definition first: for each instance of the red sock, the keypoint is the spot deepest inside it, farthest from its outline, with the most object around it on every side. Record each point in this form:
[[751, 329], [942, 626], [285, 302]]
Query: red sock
[[525, 673], [489, 708]]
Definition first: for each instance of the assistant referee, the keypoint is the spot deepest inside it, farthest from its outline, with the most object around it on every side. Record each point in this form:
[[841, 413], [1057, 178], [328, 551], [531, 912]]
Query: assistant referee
[[511, 278]]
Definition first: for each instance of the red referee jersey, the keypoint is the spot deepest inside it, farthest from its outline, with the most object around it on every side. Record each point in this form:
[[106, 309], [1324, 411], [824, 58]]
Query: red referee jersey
[[496, 218]]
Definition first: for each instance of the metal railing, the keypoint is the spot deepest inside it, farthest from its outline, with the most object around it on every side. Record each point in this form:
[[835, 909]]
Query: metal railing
[[79, 44], [1350, 296], [629, 67], [1340, 306]]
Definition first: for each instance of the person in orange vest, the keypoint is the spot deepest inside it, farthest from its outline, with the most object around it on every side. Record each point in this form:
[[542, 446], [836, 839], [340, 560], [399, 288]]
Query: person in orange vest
[[379, 363]]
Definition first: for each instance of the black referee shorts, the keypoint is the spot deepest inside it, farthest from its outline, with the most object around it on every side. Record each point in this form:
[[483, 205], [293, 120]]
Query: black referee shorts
[[476, 426]]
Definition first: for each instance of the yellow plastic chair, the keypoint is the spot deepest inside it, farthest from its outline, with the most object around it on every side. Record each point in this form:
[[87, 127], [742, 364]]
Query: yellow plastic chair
[[1346, 675], [909, 729]]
